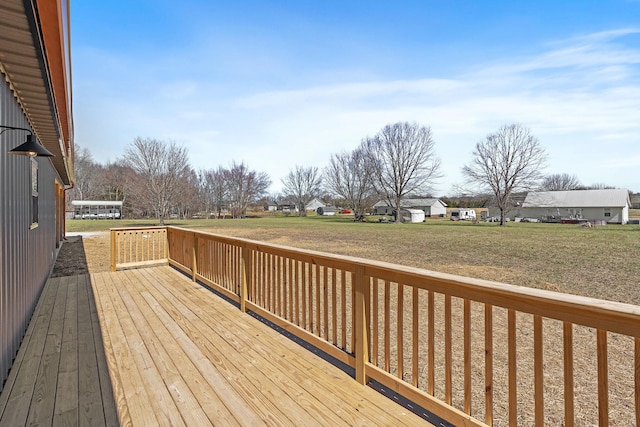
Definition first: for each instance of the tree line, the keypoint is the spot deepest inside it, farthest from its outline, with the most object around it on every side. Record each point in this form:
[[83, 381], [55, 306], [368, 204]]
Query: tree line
[[154, 177]]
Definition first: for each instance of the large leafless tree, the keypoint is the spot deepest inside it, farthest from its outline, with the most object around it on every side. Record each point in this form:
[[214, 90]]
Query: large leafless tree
[[402, 161], [245, 186], [187, 200], [348, 176], [88, 176], [303, 185], [507, 161], [560, 182], [161, 166], [215, 190]]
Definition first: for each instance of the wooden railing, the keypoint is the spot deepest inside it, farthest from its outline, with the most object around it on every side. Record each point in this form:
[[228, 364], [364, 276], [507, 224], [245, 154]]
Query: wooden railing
[[138, 247], [471, 351]]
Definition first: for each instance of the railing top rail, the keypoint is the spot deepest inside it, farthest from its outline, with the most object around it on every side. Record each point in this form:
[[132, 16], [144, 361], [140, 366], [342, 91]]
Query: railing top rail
[[146, 227], [608, 315]]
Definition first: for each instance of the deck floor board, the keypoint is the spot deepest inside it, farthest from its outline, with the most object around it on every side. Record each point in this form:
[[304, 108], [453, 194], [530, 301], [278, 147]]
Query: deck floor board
[[238, 369], [58, 358], [150, 347]]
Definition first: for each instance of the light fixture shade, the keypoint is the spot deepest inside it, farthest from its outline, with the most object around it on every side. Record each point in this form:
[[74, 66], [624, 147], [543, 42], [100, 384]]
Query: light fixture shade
[[31, 148]]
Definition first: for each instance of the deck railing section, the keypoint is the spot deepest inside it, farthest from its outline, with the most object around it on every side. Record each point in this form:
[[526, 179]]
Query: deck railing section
[[471, 351], [137, 247]]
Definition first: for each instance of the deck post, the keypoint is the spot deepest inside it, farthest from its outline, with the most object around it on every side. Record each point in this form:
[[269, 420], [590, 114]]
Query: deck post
[[361, 327], [167, 249], [246, 276], [194, 258], [113, 250]]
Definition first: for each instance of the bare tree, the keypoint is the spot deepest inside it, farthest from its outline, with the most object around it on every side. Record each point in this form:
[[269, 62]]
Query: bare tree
[[215, 189], [560, 182], [245, 186], [349, 177], [187, 201], [507, 161], [161, 166], [402, 161], [302, 185], [117, 181], [87, 176], [598, 186]]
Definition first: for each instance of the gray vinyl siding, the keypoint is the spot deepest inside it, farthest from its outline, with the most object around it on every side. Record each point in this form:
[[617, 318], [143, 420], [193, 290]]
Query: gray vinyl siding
[[26, 255]]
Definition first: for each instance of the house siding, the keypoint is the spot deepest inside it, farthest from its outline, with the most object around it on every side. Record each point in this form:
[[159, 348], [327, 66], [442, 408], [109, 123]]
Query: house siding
[[26, 255]]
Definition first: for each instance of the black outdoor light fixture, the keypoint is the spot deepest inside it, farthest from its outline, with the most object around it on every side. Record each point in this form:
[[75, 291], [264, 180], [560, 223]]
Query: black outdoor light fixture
[[30, 147]]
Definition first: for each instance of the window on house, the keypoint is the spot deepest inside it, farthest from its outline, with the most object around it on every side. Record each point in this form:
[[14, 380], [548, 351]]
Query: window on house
[[607, 211], [34, 193]]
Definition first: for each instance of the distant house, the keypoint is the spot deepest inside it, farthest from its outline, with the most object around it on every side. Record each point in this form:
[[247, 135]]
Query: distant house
[[315, 204], [287, 206], [430, 207], [270, 206], [611, 206]]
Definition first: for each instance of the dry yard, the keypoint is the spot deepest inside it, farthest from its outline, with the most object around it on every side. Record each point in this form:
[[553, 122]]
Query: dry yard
[[597, 262]]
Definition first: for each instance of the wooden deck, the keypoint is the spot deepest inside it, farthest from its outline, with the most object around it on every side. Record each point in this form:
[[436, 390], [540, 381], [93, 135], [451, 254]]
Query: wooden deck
[[154, 348], [60, 374], [180, 355]]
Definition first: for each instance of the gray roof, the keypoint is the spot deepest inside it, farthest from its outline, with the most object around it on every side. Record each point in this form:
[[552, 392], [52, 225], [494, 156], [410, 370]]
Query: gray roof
[[408, 203], [615, 198]]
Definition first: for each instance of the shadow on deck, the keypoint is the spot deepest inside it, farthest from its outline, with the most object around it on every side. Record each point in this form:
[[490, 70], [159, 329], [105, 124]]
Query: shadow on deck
[[60, 375]]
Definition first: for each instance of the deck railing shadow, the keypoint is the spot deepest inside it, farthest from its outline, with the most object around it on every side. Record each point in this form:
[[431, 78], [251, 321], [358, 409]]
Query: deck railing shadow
[[473, 352]]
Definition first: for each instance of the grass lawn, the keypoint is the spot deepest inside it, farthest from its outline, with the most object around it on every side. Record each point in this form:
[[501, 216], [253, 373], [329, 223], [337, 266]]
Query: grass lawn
[[597, 262]]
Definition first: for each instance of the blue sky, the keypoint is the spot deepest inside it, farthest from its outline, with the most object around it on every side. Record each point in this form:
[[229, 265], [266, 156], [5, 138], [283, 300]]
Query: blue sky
[[283, 83]]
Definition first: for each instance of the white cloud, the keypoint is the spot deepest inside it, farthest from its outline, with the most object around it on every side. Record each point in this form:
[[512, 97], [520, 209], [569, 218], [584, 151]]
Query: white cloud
[[581, 98]]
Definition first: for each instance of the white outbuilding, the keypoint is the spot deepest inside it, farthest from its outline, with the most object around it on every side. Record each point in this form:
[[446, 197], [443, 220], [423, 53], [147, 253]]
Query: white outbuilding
[[314, 204], [430, 207], [412, 215]]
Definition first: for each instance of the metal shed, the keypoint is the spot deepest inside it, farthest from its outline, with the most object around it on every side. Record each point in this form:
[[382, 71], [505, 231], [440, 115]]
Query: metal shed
[[326, 210], [610, 205], [412, 215]]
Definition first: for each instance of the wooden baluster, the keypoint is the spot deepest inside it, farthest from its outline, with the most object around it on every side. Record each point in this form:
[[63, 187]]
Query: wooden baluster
[[334, 305], [318, 286], [400, 330], [343, 306], [374, 325], [513, 379], [246, 278], [194, 258], [488, 364], [637, 378], [447, 350], [467, 356], [538, 371], [415, 343], [387, 326], [431, 345], [567, 332], [603, 379], [361, 329], [325, 308], [114, 250]]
